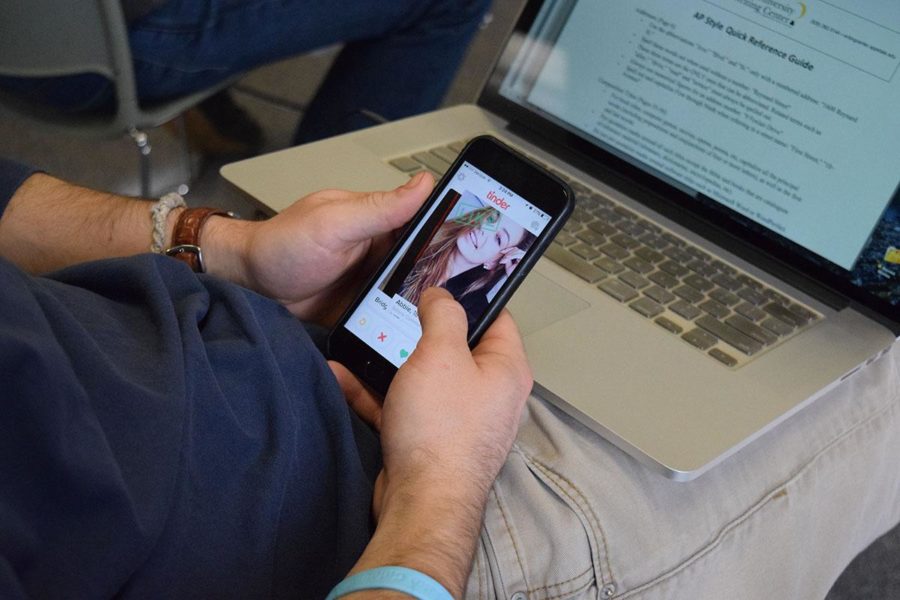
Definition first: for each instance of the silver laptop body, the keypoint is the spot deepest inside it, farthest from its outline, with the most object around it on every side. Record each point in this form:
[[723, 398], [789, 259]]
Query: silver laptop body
[[609, 95]]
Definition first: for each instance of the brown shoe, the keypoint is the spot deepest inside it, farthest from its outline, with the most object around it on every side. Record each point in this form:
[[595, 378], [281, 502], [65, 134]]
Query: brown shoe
[[218, 127]]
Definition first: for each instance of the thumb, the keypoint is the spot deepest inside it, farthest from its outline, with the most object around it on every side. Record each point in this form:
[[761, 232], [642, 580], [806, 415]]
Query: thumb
[[443, 319], [382, 212]]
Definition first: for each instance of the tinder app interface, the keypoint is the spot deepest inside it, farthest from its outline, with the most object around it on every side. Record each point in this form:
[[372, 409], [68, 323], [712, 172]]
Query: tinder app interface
[[470, 241]]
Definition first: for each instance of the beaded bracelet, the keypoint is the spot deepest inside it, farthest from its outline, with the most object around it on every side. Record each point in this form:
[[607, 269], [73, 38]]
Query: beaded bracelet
[[159, 212]]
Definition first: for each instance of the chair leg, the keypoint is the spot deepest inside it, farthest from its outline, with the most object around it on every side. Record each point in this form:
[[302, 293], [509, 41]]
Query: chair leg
[[142, 142], [185, 187]]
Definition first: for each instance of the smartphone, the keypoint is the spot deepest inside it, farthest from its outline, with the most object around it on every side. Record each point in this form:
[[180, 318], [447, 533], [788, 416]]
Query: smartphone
[[485, 225]]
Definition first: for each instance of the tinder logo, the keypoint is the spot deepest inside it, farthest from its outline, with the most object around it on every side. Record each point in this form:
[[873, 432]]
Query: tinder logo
[[501, 203]]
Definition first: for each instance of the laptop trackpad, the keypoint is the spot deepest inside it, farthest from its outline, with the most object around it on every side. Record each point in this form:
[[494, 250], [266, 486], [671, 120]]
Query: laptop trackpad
[[539, 302]]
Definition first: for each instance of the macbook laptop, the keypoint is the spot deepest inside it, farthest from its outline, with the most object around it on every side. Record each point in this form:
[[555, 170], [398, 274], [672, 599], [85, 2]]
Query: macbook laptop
[[735, 250]]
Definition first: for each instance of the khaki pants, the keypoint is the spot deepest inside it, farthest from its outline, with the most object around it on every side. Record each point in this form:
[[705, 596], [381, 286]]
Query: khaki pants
[[571, 516]]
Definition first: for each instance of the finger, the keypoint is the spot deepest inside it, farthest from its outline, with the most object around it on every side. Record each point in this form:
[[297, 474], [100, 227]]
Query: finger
[[380, 213], [502, 338], [443, 319], [359, 398]]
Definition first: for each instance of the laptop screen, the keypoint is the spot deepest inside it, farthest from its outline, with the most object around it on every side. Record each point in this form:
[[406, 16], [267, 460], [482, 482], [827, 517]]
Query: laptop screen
[[784, 113]]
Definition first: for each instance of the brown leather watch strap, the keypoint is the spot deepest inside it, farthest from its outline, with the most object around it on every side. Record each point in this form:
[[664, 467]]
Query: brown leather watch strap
[[186, 236]]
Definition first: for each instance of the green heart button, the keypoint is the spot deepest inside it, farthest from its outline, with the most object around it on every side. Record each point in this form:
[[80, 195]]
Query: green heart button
[[403, 353]]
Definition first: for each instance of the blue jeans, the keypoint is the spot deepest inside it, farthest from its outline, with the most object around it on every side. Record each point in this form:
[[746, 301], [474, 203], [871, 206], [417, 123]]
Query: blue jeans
[[399, 56]]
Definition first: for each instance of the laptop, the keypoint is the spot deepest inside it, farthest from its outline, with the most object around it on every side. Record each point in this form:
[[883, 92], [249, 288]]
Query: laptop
[[735, 250]]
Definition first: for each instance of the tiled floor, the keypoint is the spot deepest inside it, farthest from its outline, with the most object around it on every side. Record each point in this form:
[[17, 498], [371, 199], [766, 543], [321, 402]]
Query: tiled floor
[[113, 165]]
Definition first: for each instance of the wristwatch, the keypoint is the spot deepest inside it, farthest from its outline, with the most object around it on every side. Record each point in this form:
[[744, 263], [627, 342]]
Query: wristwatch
[[186, 236]]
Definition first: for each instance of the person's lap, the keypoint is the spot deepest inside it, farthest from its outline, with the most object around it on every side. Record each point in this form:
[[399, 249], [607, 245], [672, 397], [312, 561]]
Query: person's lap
[[572, 516]]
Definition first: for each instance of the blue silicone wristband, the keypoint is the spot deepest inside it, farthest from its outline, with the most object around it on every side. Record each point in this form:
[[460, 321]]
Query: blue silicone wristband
[[398, 579]]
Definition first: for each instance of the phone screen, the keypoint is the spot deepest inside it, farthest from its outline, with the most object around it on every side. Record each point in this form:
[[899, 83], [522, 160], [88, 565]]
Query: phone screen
[[470, 242]]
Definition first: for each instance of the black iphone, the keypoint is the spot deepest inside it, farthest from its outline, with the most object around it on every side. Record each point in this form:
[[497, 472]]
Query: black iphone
[[479, 233]]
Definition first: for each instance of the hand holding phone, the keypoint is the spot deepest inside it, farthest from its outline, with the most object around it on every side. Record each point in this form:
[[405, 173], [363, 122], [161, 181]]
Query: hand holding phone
[[483, 228]]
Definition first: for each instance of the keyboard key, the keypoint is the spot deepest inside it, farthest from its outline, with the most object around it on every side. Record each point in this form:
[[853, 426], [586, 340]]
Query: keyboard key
[[649, 255], [700, 339], [659, 294], [572, 263], [668, 325], [589, 236], [584, 251], [457, 146], [752, 296], [601, 227], [637, 265], [699, 283], [624, 212], [589, 201], [445, 153], [654, 241], [647, 307], [675, 241], [749, 281], [776, 297], [729, 335], [702, 268], [688, 293], [618, 290], [685, 310], [697, 253], [432, 162], [673, 268], [609, 215], [573, 227], [723, 357], [716, 309], [728, 282], [634, 280], [602, 200], [727, 269], [581, 215], [632, 229], [747, 327], [802, 312], [564, 238], [626, 241], [678, 255], [609, 265], [785, 314], [724, 296], [405, 163], [777, 326], [750, 312], [615, 251], [663, 279]]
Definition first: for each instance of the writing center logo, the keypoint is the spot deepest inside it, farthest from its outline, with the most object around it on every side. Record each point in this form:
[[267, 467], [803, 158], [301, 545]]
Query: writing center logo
[[785, 13]]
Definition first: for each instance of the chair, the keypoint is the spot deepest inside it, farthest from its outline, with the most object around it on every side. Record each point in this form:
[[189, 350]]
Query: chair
[[47, 38]]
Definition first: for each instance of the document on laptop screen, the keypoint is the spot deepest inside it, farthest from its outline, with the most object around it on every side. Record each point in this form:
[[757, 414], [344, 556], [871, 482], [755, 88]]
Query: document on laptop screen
[[785, 112]]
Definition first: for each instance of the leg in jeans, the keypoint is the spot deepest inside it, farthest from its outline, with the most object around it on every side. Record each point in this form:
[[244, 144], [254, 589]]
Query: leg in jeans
[[571, 516], [399, 56]]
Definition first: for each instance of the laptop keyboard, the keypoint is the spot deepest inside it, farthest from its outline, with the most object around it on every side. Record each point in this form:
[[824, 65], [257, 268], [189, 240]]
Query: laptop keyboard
[[685, 291]]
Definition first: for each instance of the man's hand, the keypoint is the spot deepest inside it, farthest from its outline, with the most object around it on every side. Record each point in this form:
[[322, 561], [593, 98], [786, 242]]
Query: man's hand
[[448, 421], [313, 256]]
